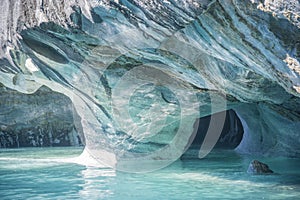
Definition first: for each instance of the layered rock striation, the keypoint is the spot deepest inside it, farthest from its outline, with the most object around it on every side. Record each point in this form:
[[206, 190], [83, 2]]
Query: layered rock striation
[[42, 119], [140, 73]]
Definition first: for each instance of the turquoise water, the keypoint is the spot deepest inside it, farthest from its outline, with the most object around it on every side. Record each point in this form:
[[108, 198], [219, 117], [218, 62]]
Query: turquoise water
[[49, 174]]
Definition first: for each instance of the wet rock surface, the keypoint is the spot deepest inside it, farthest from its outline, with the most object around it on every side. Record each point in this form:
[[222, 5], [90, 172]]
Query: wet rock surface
[[259, 168]]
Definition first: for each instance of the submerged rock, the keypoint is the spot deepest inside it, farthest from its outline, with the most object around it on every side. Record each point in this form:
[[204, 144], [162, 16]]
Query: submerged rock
[[257, 167]]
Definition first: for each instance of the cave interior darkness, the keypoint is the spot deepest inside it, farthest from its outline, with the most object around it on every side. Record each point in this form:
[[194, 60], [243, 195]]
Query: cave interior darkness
[[230, 138]]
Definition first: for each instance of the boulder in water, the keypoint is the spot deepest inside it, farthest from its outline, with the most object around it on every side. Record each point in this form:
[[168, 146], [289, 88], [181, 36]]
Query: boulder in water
[[257, 167]]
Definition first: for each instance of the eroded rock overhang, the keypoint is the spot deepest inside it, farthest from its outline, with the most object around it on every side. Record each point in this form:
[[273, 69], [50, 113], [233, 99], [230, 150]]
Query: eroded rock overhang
[[140, 72]]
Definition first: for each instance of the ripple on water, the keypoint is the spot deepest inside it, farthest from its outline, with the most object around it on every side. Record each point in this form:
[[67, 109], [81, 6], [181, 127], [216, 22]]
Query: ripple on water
[[32, 175]]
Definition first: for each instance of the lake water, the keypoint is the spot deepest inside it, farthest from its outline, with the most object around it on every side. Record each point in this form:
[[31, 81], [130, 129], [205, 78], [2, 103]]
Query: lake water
[[48, 173]]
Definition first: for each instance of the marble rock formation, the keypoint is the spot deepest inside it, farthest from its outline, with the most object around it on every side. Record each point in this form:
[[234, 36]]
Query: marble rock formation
[[140, 73], [42, 119]]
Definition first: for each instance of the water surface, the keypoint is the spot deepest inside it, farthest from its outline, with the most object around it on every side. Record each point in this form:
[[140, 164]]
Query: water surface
[[48, 173]]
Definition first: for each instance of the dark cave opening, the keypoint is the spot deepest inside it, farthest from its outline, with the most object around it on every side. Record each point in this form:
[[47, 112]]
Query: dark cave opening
[[230, 137]]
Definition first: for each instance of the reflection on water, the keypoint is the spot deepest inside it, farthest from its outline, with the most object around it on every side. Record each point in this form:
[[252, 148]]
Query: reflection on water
[[99, 181], [52, 174]]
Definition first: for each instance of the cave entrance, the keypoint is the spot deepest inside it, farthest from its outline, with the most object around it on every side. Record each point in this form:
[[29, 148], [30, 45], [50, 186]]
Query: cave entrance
[[231, 135]]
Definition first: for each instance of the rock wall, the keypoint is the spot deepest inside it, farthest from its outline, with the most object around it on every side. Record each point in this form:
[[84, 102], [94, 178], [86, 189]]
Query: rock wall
[[269, 130], [44, 118]]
